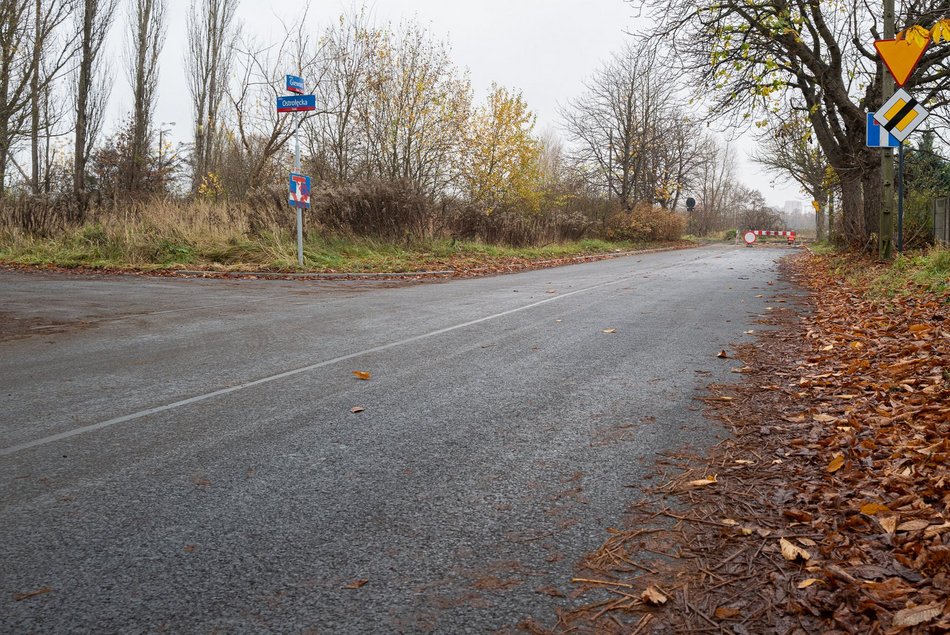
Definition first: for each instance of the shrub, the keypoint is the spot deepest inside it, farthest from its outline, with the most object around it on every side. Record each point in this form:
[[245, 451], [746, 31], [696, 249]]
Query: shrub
[[382, 209], [645, 222]]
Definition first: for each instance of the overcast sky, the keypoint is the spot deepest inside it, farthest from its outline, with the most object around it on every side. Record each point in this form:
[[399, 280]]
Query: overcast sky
[[545, 48]]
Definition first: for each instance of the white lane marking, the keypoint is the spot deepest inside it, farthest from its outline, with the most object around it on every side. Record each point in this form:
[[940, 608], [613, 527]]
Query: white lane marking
[[290, 373]]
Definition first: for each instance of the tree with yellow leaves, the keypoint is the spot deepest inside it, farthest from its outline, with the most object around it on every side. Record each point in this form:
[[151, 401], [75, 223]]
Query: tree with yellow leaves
[[501, 163], [753, 60]]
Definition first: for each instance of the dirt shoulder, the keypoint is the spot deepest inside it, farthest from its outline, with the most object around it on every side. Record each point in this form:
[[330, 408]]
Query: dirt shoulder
[[829, 509]]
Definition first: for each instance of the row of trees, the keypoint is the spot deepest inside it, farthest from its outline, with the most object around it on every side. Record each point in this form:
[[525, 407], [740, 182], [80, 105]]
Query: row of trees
[[809, 63], [393, 107]]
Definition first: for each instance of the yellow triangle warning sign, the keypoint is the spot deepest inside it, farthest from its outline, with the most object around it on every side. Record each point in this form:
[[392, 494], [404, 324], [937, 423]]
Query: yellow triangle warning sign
[[900, 57]]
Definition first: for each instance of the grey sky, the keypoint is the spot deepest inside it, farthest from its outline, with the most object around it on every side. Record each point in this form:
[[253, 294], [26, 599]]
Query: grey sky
[[545, 48]]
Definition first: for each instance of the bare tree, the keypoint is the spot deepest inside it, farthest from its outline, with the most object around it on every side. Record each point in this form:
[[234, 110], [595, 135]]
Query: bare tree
[[789, 151], [50, 55], [147, 38], [348, 54], [261, 132], [92, 86], [629, 132], [211, 36], [718, 191], [27, 67]]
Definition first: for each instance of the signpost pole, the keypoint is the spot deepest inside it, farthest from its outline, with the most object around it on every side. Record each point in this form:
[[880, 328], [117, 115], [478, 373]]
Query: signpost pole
[[900, 199], [885, 228], [297, 170]]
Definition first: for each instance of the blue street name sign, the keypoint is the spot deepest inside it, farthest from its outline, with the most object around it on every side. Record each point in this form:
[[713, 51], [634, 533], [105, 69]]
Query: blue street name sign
[[295, 84], [297, 103], [878, 137], [299, 194]]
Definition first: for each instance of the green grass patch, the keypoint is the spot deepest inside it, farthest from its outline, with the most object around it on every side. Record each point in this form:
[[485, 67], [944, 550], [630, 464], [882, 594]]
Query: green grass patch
[[145, 246], [909, 273]]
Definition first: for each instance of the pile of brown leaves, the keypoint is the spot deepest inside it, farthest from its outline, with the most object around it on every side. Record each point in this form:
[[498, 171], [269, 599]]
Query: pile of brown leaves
[[829, 510]]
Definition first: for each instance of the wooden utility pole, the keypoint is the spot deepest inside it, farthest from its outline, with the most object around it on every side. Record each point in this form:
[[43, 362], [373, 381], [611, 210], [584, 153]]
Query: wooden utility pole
[[885, 231]]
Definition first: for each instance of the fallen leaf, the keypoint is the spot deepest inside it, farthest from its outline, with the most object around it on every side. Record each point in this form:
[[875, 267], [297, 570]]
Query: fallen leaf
[[917, 615], [913, 525], [823, 418], [888, 524], [871, 509], [792, 552], [919, 328], [936, 530], [19, 597], [653, 595], [356, 409], [610, 330], [356, 584], [709, 480], [804, 584], [808, 542], [362, 375], [729, 521], [726, 612], [723, 355], [745, 462], [551, 291], [836, 463], [190, 548]]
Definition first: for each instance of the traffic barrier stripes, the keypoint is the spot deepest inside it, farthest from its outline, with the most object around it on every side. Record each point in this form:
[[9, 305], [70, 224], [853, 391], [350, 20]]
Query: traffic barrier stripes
[[751, 235], [788, 234]]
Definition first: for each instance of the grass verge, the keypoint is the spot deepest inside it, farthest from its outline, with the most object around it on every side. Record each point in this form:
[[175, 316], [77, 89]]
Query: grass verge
[[908, 274], [113, 247]]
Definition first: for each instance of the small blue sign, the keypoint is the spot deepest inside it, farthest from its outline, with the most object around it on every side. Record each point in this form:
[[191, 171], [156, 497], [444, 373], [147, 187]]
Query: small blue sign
[[299, 195], [295, 84], [878, 137], [296, 103]]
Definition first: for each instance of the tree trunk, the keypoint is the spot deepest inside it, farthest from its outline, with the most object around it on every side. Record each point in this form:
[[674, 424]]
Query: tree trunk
[[820, 217], [873, 186], [852, 208], [832, 232], [35, 103], [82, 107]]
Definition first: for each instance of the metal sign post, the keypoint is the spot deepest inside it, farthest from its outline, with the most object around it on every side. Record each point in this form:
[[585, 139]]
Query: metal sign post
[[300, 209], [299, 184], [900, 198]]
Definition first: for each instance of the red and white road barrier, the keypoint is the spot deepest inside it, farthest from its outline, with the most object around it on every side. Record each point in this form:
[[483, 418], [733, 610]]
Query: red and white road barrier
[[751, 235]]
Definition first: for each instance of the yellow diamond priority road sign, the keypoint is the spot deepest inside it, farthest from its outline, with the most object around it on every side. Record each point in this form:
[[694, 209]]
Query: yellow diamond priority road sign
[[901, 115]]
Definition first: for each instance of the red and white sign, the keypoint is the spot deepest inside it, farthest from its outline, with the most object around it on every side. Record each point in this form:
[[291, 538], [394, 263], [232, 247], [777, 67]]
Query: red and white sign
[[749, 237]]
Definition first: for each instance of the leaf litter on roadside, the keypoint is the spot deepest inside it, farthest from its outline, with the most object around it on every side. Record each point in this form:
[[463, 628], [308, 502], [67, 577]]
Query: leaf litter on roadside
[[831, 512]]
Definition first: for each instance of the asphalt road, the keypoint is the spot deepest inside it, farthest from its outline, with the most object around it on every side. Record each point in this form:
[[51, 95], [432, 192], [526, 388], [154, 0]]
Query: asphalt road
[[181, 456]]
